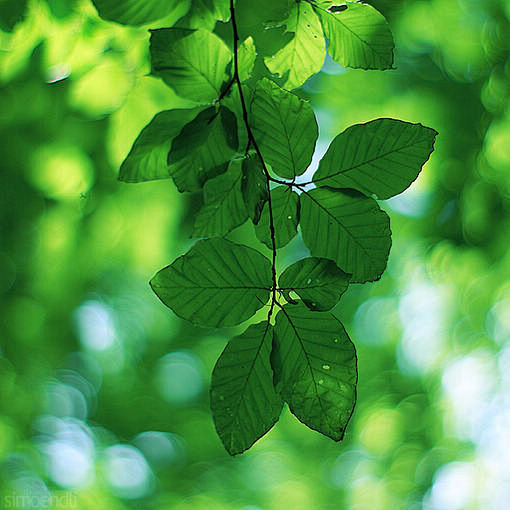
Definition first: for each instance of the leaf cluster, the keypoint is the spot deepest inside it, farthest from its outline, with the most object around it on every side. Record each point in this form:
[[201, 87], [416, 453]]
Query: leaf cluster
[[244, 146]]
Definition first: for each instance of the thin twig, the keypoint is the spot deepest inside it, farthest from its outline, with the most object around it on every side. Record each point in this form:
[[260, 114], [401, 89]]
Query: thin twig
[[253, 143]]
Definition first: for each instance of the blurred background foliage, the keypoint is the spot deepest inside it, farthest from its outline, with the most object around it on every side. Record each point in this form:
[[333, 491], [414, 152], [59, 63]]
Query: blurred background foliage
[[104, 393]]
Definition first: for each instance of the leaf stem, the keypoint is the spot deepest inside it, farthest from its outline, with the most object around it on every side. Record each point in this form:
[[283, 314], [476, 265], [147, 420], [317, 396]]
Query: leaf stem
[[253, 142]]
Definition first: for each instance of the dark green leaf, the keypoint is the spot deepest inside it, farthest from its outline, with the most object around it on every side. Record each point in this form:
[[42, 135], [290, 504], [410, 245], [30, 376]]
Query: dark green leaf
[[192, 62], [304, 54], [252, 21], [285, 129], [359, 36], [224, 207], [147, 159], [318, 282], [217, 283], [349, 228], [203, 148], [136, 12], [315, 365], [382, 157], [285, 205], [254, 187], [11, 12], [244, 402]]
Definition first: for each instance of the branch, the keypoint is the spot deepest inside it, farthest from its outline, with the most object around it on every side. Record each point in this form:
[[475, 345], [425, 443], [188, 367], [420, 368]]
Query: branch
[[253, 143]]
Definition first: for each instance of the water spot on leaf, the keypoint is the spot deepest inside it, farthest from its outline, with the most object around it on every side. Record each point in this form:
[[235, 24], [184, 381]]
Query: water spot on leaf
[[326, 367]]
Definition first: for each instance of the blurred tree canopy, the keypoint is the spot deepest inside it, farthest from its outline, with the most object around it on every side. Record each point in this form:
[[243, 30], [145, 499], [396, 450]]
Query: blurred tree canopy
[[103, 391]]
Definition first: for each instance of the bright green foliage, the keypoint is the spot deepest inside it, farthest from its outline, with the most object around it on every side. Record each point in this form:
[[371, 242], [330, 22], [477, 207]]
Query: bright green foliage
[[358, 37], [247, 57], [285, 129], [147, 159], [285, 205], [318, 282], [349, 228], [178, 57], [382, 157], [224, 207], [203, 148], [217, 283], [135, 12], [315, 365], [249, 135], [303, 55], [244, 402]]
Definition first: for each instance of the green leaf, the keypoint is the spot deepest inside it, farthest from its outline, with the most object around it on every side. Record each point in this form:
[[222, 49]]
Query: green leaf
[[147, 159], [11, 12], [318, 282], [358, 37], [348, 228], [205, 13], [244, 402], [192, 62], [304, 54], [382, 157], [246, 56], [203, 148], [254, 186], [224, 207], [315, 365], [135, 12], [285, 129], [217, 283], [285, 206]]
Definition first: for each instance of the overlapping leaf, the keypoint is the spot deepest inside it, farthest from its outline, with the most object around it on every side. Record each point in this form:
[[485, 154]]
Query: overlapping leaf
[[316, 369], [254, 186], [205, 13], [192, 62], [382, 157], [348, 228], [318, 282], [147, 159], [203, 148], [244, 402], [223, 208], [285, 208], [217, 283], [138, 12], [304, 54], [359, 36], [284, 127]]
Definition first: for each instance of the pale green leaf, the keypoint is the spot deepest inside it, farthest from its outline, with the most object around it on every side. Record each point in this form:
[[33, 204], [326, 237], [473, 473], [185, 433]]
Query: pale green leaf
[[348, 228], [147, 159], [223, 208], [304, 54], [284, 127], [358, 37], [244, 402], [246, 57], [316, 368], [382, 157], [216, 283], [318, 282], [136, 12], [285, 206], [192, 62]]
